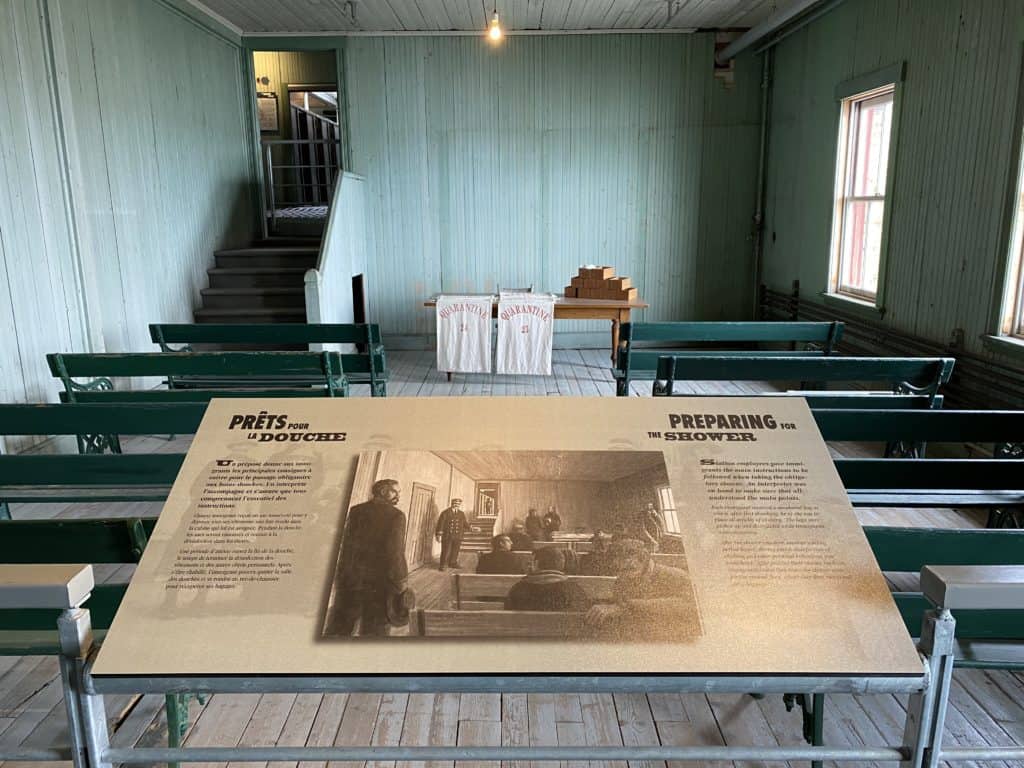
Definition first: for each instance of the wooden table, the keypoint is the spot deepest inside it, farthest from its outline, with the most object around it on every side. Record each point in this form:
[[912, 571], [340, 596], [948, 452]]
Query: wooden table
[[582, 309]]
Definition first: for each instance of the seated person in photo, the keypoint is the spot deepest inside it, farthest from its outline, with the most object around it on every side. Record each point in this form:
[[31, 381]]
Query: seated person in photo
[[602, 560], [521, 541], [552, 523], [500, 559], [547, 588], [534, 526], [647, 595]]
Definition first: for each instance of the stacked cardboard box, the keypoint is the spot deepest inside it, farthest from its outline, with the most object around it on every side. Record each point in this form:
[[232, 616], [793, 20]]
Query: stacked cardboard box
[[600, 283]]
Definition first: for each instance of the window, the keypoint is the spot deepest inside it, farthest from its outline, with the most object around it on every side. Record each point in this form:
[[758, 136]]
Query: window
[[1012, 313], [862, 165], [667, 506]]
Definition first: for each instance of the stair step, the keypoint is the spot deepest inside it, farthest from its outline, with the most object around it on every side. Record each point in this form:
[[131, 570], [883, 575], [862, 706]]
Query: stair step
[[248, 315], [287, 242], [256, 277], [293, 257], [255, 298]]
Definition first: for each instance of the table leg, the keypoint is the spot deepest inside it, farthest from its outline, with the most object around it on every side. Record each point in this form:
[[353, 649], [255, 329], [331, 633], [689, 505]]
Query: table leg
[[622, 318]]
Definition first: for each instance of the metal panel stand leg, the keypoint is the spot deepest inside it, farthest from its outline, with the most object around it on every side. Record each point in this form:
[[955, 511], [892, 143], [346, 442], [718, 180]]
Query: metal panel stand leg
[[926, 713], [817, 724], [74, 631], [87, 715]]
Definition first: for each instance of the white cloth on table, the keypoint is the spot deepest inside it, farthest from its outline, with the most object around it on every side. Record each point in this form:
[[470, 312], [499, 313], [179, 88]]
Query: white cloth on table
[[464, 333], [525, 329]]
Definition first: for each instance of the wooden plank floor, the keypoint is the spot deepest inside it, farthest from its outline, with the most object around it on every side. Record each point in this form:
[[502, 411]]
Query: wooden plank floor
[[987, 706]]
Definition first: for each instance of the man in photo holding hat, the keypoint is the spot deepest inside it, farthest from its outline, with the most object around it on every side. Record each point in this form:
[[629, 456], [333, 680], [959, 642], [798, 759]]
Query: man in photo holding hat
[[372, 578], [451, 527]]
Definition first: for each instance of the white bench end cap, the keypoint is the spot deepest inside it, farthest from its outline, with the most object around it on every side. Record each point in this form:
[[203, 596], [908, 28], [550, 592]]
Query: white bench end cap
[[974, 587], [45, 586]]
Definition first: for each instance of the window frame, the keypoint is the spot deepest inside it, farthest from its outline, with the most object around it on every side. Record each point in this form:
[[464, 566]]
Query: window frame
[[1011, 307], [664, 510], [859, 90]]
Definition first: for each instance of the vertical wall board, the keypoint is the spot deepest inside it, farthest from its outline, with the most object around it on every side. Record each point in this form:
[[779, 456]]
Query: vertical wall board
[[514, 164], [41, 307], [163, 162], [952, 161], [732, 129], [124, 164]]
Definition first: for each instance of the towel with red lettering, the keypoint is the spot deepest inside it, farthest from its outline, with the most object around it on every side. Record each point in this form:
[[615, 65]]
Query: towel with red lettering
[[464, 333], [525, 328]]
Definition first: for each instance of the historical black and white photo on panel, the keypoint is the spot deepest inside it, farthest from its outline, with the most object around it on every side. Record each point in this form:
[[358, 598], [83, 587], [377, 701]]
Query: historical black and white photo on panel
[[573, 544]]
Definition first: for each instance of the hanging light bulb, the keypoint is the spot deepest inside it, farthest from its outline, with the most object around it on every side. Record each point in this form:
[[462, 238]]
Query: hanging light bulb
[[495, 32]]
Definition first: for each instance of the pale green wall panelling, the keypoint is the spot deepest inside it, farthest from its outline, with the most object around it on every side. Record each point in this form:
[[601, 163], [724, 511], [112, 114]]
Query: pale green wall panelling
[[40, 302], [125, 162], [161, 171], [515, 165], [953, 159]]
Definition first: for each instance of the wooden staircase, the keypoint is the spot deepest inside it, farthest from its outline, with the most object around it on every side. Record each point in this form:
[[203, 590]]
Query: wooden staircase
[[259, 284], [479, 541]]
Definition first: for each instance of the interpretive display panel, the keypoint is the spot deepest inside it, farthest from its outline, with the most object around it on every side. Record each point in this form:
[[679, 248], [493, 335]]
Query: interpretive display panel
[[508, 536]]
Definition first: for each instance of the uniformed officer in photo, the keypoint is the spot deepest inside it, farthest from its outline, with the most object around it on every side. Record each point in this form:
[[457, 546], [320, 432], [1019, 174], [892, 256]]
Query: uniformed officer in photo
[[371, 586], [451, 527]]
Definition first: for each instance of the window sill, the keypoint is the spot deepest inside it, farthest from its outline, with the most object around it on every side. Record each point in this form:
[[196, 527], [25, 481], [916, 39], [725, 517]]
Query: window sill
[[1004, 345], [850, 304]]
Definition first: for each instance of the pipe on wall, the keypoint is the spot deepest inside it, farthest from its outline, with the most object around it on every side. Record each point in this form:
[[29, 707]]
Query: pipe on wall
[[769, 26], [766, 87]]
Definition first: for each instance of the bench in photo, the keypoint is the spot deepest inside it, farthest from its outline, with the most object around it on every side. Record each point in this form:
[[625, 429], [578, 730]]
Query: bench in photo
[[641, 344], [482, 591], [366, 365]]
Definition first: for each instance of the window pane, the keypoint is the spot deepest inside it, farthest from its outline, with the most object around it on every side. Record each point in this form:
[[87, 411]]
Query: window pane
[[871, 148], [861, 247]]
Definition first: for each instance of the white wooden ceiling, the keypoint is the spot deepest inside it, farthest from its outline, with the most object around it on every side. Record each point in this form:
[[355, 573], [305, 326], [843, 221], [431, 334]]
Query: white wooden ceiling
[[322, 16]]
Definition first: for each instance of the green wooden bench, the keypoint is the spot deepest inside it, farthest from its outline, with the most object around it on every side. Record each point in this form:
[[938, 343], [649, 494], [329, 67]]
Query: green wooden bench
[[641, 344], [907, 432], [899, 375], [88, 478], [33, 632], [32, 478], [985, 639], [367, 365], [88, 378]]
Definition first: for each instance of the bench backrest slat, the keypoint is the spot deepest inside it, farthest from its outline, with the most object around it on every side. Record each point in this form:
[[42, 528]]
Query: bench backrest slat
[[973, 625], [921, 425], [919, 371], [69, 541], [77, 419], [910, 549], [120, 470], [932, 474], [827, 334], [102, 604], [195, 364], [139, 396], [871, 401], [265, 333]]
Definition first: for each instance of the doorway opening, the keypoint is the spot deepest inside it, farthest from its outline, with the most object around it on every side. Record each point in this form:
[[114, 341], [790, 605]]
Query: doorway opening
[[300, 123]]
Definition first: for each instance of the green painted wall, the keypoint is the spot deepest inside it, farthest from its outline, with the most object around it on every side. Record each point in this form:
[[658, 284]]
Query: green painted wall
[[514, 165], [953, 164], [126, 160]]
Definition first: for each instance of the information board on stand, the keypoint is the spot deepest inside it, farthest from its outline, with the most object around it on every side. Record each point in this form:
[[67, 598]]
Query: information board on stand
[[693, 536]]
